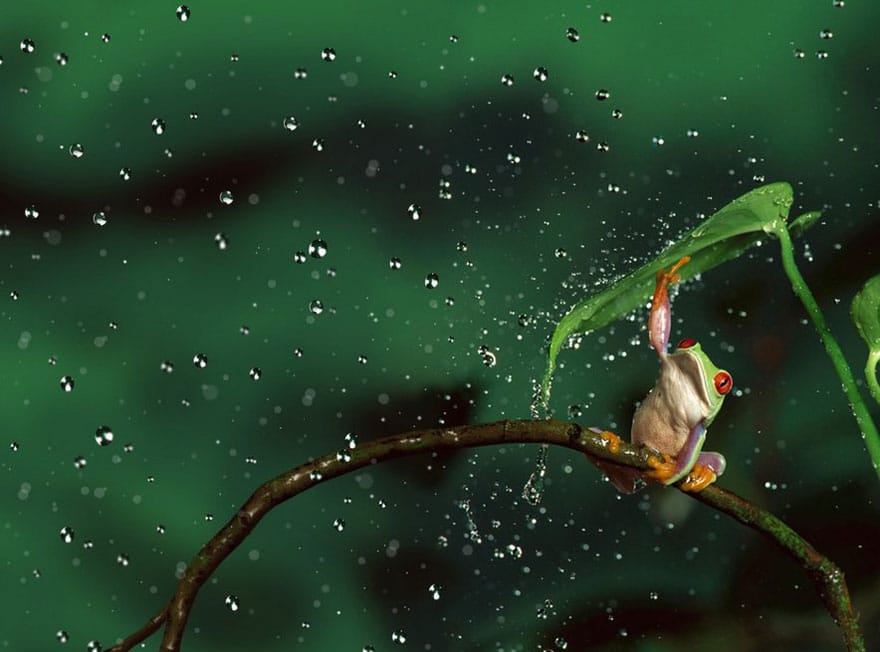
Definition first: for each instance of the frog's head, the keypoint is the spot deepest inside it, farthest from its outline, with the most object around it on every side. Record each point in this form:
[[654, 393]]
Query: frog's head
[[716, 383]]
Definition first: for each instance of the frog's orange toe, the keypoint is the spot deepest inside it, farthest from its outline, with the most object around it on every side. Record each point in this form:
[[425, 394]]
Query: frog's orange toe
[[699, 478], [612, 441], [662, 467]]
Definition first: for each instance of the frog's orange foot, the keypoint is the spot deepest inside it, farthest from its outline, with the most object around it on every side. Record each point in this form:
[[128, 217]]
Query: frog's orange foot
[[665, 278], [699, 478], [612, 441], [662, 467]]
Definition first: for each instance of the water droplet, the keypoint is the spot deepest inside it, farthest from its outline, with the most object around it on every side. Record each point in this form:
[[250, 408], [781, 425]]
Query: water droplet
[[27, 46], [821, 54], [125, 174], [395, 263], [221, 240], [605, 18], [507, 80], [99, 218], [67, 534], [572, 35], [316, 306], [692, 133], [658, 141], [183, 13], [62, 636], [533, 491], [317, 248], [414, 211], [300, 73], [79, 462], [826, 34], [603, 147], [158, 126], [226, 198], [105, 38], [328, 54], [338, 525], [318, 144], [798, 53], [231, 602], [67, 383], [541, 74], [255, 373], [93, 646], [31, 212], [104, 436], [62, 59], [299, 257], [167, 366], [434, 591], [122, 559], [582, 136], [617, 114], [574, 411], [362, 359], [839, 3], [200, 360], [291, 123], [398, 636], [432, 281], [603, 94]]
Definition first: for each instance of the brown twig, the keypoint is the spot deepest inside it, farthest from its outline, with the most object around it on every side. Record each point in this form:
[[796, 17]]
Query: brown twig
[[826, 576]]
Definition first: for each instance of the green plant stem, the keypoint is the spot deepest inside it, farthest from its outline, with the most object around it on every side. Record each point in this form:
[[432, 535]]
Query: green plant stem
[[825, 575], [859, 409], [871, 374]]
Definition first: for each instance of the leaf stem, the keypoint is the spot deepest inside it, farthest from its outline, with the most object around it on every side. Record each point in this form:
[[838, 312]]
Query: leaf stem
[[800, 288]]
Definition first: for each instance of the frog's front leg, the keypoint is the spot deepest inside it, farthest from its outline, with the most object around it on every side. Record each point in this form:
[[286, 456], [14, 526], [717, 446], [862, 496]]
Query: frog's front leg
[[660, 319]]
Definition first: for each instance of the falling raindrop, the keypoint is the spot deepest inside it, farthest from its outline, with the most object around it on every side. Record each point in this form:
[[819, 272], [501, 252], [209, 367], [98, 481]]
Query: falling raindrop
[[328, 54], [317, 248], [540, 74], [572, 35], [226, 198], [221, 240], [603, 94], [76, 150], [255, 373], [231, 602], [67, 534], [582, 136], [507, 80], [291, 123], [104, 436], [31, 212], [62, 59], [67, 383], [99, 218], [300, 73], [27, 46], [316, 306], [414, 211], [183, 13], [158, 126], [432, 281], [200, 360], [125, 174]]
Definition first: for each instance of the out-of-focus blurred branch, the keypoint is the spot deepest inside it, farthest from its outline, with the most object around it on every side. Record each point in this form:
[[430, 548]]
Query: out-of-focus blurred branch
[[826, 576]]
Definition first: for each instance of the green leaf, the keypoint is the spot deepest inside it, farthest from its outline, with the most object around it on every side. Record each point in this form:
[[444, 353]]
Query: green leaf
[[721, 237], [865, 313], [803, 222]]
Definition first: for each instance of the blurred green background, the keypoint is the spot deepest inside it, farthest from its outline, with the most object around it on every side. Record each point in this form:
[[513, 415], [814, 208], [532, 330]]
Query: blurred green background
[[517, 218]]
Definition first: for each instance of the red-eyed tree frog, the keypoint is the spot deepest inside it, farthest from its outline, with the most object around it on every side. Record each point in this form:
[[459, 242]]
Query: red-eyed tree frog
[[674, 416]]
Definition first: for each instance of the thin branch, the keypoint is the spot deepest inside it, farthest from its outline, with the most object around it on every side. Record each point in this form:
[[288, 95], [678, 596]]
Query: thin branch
[[826, 576]]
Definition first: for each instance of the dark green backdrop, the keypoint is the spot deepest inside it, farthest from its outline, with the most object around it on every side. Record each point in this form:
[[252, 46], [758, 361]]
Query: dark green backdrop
[[714, 101]]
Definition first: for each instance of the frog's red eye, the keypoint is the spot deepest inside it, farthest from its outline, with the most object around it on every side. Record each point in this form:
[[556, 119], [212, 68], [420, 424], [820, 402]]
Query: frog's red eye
[[686, 343], [723, 382]]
